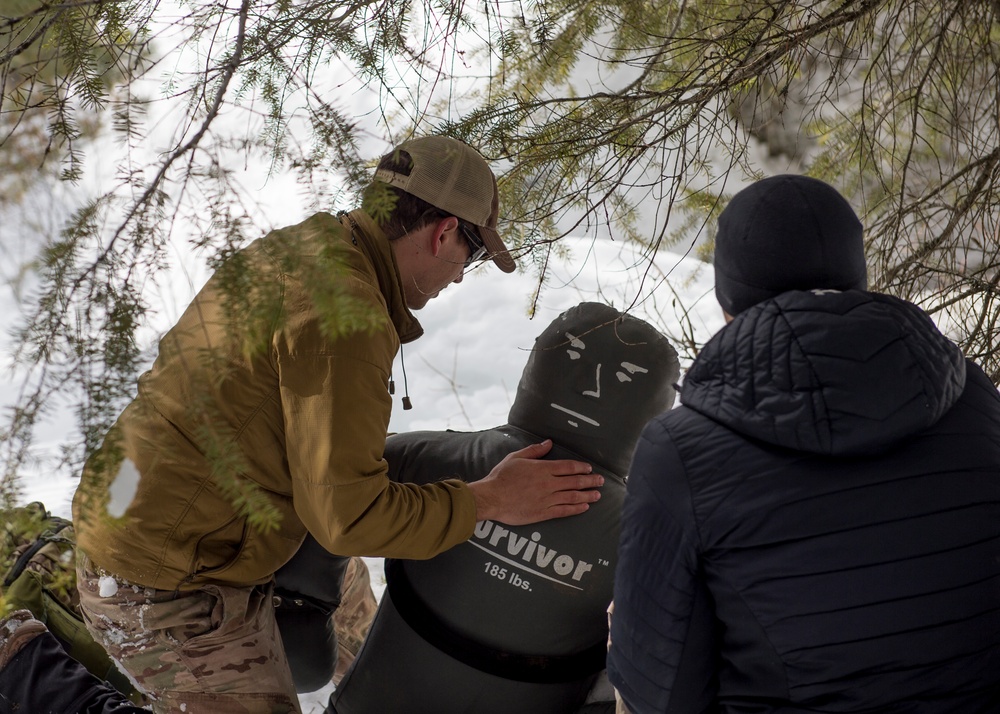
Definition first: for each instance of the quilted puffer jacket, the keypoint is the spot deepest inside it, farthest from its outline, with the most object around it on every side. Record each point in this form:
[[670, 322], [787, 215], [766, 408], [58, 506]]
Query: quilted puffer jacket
[[817, 528]]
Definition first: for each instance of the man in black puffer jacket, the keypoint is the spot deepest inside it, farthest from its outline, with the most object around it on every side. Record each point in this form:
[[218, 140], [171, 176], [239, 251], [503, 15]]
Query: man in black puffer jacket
[[817, 528]]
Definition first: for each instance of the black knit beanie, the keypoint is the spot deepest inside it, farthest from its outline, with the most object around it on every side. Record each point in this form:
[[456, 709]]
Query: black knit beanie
[[786, 233]]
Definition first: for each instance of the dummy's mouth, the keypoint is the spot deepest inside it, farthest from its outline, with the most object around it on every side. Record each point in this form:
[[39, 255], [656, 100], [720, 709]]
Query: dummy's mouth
[[577, 415]]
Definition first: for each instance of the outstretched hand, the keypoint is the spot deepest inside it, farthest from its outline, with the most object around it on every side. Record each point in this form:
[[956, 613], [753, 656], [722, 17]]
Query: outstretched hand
[[525, 489]]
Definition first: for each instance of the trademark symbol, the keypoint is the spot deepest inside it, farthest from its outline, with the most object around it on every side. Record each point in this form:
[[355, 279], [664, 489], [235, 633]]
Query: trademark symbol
[[602, 561]]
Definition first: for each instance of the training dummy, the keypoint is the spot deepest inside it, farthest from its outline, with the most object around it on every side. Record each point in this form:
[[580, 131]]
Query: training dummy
[[513, 620]]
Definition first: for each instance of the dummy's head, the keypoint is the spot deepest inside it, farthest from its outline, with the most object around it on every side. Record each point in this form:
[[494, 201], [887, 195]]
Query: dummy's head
[[593, 379], [786, 233]]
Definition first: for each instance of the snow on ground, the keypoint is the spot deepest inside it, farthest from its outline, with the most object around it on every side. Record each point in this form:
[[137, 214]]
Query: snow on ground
[[463, 373]]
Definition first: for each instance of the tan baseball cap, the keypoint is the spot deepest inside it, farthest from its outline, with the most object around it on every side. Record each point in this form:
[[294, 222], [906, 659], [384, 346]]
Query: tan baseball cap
[[452, 176]]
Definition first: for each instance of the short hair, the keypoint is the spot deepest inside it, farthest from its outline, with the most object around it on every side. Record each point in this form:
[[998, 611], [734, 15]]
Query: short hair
[[409, 212]]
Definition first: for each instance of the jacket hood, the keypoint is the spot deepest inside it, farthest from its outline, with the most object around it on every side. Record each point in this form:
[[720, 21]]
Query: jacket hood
[[827, 372], [593, 380]]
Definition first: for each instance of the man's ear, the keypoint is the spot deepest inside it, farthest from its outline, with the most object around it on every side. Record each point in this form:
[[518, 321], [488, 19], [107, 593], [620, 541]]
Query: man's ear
[[440, 229]]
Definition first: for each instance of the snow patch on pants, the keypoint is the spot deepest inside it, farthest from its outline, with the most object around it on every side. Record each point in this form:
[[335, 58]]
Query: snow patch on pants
[[108, 586]]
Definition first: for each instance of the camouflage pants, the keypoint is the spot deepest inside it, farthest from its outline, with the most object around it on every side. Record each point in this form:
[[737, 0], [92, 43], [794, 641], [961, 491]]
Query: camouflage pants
[[215, 650], [353, 618]]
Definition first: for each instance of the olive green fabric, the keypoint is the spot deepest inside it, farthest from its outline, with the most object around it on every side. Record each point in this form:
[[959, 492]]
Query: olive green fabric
[[39, 574], [30, 593], [256, 390]]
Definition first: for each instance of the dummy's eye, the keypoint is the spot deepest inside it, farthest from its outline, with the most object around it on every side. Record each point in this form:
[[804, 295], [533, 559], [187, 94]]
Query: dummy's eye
[[630, 369], [577, 344]]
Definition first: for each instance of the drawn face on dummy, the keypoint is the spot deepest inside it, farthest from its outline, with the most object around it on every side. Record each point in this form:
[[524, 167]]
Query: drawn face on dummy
[[594, 378], [623, 372]]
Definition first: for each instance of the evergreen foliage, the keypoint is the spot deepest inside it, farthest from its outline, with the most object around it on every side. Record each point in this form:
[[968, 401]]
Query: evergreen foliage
[[608, 111], [620, 117], [280, 66]]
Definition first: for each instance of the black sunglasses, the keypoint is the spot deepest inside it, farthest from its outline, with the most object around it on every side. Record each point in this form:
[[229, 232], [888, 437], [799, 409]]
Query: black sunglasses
[[477, 251]]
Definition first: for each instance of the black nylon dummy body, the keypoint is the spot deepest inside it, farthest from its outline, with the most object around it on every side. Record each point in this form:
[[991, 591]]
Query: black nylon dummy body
[[307, 591], [514, 619]]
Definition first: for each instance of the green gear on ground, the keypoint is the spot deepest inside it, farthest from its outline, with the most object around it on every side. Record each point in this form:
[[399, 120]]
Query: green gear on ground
[[38, 563]]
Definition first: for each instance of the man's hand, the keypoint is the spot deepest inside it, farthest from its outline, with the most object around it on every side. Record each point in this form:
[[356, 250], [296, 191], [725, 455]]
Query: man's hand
[[524, 489]]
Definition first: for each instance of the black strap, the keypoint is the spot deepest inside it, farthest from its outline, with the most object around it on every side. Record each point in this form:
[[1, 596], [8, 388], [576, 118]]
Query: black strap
[[289, 600], [538, 669], [49, 535]]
